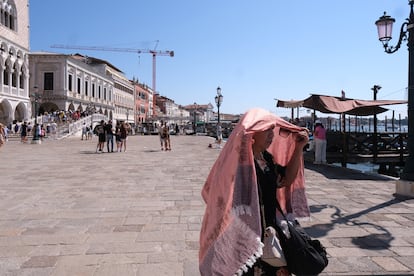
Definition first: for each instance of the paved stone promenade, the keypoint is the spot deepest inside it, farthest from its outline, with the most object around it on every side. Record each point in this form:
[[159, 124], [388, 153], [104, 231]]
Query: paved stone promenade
[[66, 210]]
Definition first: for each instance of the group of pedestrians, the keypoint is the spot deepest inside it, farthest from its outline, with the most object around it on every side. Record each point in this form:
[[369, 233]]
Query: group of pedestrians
[[106, 133], [86, 132], [38, 130]]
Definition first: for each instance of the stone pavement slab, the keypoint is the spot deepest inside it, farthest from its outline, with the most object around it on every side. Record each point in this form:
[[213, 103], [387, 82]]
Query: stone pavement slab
[[366, 229], [66, 210]]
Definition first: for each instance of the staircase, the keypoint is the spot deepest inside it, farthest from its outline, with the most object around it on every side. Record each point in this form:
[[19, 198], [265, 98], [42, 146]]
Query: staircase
[[64, 129]]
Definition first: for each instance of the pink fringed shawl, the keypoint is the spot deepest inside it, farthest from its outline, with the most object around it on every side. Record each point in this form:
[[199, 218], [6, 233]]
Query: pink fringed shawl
[[231, 229]]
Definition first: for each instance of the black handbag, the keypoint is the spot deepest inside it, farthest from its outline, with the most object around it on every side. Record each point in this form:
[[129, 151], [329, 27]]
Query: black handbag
[[304, 255]]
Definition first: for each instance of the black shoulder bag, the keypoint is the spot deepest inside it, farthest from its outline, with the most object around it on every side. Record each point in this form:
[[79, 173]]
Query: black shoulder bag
[[304, 255]]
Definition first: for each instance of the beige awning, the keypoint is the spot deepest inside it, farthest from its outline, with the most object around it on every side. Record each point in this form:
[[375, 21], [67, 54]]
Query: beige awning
[[338, 105]]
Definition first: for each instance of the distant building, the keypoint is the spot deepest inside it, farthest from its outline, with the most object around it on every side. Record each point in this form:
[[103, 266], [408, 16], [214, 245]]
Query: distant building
[[72, 83], [170, 112], [14, 61], [201, 112], [144, 106]]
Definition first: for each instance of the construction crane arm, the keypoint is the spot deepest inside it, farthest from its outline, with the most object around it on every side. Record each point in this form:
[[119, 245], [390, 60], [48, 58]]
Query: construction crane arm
[[130, 50], [110, 49]]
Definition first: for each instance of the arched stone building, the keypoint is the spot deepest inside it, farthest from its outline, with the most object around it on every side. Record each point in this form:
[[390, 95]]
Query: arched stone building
[[14, 61]]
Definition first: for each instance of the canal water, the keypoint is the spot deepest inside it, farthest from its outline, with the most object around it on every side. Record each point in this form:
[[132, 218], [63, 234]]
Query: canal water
[[362, 167]]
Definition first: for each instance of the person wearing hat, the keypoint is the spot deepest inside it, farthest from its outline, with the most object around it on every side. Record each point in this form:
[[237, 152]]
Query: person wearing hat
[[319, 136]]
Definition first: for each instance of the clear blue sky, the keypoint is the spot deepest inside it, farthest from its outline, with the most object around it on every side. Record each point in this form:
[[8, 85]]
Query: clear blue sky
[[255, 51]]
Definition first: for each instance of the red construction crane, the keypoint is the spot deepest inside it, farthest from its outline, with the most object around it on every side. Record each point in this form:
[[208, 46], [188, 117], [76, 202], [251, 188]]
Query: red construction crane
[[154, 53]]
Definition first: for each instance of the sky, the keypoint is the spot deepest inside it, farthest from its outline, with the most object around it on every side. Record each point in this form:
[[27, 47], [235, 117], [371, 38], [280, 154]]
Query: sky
[[256, 51]]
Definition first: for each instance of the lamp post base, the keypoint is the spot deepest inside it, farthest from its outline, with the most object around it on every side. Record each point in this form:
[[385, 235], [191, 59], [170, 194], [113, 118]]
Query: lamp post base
[[405, 188]]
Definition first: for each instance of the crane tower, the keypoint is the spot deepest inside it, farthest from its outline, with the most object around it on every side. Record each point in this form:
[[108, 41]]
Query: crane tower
[[154, 54]]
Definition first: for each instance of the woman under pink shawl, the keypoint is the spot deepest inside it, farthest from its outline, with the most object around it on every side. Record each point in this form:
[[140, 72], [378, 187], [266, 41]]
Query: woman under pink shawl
[[230, 235]]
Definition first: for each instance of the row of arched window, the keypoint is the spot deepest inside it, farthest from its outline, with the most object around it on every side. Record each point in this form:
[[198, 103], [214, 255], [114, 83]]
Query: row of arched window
[[8, 14], [14, 75]]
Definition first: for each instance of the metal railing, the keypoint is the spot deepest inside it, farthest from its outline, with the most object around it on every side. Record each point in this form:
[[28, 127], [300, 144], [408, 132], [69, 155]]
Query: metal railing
[[75, 127]]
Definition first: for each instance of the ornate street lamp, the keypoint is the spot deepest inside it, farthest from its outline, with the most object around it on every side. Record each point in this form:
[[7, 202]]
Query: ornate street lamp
[[194, 113], [36, 136], [219, 99], [375, 89], [384, 25]]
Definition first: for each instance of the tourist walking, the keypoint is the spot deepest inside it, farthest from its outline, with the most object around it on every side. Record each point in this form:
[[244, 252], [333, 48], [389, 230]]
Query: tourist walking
[[53, 129], [165, 137], [84, 131], [6, 131], [257, 171], [219, 135], [118, 136], [3, 135], [36, 131], [29, 127], [168, 137], [161, 135], [124, 129], [48, 130], [319, 138], [16, 128], [42, 131], [89, 130], [109, 136], [23, 132], [100, 131]]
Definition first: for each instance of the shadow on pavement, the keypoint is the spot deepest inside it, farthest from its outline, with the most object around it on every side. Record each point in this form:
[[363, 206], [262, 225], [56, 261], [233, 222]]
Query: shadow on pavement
[[151, 150], [334, 172], [88, 152], [371, 241]]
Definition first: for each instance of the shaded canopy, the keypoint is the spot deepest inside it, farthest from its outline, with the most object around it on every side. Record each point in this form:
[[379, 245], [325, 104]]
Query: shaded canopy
[[330, 104]]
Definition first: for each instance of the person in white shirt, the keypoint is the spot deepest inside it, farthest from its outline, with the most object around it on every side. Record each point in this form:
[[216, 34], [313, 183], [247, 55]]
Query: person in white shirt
[[84, 131]]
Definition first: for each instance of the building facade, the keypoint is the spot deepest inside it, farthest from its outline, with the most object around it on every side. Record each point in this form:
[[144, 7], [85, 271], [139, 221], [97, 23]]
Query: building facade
[[143, 102], [61, 82], [14, 61], [124, 95], [171, 112]]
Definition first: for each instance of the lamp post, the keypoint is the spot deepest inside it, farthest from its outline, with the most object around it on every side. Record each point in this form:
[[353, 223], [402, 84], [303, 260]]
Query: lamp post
[[127, 114], [36, 137], [375, 89], [219, 99], [194, 113], [384, 25]]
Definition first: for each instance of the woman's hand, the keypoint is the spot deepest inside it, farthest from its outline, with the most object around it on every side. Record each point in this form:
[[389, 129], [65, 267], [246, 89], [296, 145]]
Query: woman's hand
[[302, 138]]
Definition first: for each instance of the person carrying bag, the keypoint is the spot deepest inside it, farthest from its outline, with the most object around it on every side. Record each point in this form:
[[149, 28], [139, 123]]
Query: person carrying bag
[[304, 255], [263, 151]]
